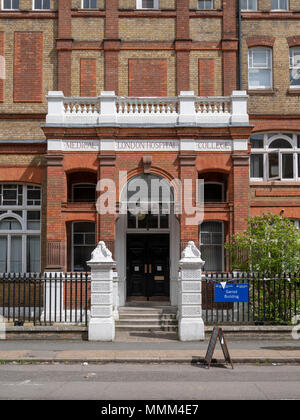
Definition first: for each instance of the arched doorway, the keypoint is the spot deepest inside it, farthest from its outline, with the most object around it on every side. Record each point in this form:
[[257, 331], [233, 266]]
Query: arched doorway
[[147, 241]]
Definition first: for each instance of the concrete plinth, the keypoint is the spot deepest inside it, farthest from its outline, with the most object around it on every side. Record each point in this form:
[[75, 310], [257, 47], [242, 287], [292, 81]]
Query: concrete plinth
[[191, 329], [101, 329]]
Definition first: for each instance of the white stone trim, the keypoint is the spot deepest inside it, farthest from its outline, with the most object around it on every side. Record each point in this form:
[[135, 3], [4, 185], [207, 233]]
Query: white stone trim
[[141, 145]]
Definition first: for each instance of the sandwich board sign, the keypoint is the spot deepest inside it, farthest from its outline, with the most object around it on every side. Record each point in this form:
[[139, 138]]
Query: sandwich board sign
[[217, 334], [231, 292]]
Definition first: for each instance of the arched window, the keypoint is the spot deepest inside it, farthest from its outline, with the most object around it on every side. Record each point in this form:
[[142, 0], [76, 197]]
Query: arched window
[[295, 68], [10, 224], [20, 228], [275, 156], [260, 68], [148, 199], [212, 245]]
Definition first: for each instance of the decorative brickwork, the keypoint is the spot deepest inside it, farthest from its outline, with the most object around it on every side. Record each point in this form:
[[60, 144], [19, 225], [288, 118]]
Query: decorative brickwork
[[147, 77], [88, 68], [206, 77], [28, 67]]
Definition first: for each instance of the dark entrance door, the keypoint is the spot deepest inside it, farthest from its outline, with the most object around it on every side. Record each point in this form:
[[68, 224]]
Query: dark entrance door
[[148, 266]]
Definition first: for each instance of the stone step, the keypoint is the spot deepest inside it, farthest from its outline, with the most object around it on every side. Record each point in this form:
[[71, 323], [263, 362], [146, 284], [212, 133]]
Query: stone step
[[151, 321], [145, 328], [139, 311], [146, 316]]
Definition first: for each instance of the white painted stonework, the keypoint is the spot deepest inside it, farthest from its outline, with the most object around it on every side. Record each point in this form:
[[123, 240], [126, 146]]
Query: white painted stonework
[[190, 322], [185, 109], [147, 145], [101, 325]]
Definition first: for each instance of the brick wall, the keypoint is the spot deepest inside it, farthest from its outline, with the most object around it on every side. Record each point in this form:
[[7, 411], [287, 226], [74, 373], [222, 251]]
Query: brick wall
[[206, 77], [279, 100], [88, 84], [28, 67], [147, 77]]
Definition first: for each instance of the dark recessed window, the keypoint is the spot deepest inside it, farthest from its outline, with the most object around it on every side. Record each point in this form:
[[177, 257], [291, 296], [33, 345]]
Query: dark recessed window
[[84, 193], [213, 193]]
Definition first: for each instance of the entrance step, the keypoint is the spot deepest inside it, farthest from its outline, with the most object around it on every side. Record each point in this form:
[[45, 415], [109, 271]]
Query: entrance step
[[143, 317]]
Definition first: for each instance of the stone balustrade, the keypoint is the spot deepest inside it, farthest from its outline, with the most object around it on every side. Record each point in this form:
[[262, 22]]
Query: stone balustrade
[[185, 109]]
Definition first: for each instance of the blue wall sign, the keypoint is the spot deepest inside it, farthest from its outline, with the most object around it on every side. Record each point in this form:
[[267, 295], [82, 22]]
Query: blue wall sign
[[232, 292]]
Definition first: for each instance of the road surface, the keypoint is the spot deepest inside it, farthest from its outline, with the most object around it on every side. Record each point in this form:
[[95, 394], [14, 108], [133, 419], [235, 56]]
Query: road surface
[[148, 382]]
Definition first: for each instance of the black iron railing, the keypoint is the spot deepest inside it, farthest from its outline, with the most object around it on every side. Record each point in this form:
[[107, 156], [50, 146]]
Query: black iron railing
[[50, 298], [271, 299], [46, 298]]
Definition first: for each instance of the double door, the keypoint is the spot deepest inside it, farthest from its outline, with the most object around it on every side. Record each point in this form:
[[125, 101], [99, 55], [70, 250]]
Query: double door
[[148, 266]]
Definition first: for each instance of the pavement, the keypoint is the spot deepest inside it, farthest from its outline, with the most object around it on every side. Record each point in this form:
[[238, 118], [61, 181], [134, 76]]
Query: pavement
[[148, 348]]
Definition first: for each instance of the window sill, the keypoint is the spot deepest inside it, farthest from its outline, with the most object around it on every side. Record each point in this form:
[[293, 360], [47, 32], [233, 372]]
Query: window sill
[[254, 183], [295, 92], [261, 92]]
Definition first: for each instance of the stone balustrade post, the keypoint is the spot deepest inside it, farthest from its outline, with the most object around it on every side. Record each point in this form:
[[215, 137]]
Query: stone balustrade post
[[239, 113], [101, 324], [108, 111], [55, 107], [187, 111], [190, 322]]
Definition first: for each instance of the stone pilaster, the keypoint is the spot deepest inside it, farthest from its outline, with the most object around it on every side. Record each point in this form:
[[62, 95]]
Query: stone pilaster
[[190, 322], [102, 324]]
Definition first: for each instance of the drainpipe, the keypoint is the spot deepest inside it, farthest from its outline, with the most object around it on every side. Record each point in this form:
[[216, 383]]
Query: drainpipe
[[240, 43]]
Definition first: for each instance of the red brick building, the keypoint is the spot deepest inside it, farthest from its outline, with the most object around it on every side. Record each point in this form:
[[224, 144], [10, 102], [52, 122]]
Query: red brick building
[[175, 78]]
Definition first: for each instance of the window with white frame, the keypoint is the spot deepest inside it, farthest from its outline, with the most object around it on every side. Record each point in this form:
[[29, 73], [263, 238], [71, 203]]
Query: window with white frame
[[41, 4], [279, 5], [205, 4], [89, 4], [260, 68], [10, 4], [212, 245], [295, 67], [248, 4], [20, 228], [147, 4], [275, 156]]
